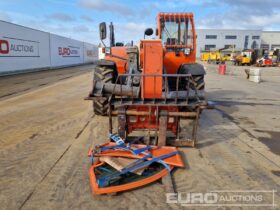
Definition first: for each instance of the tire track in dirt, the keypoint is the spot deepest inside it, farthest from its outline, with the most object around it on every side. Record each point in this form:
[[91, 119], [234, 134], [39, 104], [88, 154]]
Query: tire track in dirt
[[18, 92], [32, 81], [224, 114], [55, 163], [64, 174], [51, 118], [46, 131], [222, 161], [34, 155]]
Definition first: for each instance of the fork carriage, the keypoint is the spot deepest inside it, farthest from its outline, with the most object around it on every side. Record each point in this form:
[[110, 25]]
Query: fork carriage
[[156, 111]]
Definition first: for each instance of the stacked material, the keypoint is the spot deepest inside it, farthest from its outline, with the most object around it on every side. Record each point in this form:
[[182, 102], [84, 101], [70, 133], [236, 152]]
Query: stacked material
[[117, 166], [253, 74]]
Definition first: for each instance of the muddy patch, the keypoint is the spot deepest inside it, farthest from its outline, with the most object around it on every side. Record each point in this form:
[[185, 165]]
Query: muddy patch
[[200, 154], [272, 142], [230, 102], [276, 173], [33, 136], [246, 120]]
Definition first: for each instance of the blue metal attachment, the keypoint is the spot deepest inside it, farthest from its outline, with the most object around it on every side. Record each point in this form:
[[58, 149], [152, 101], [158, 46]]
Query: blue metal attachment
[[140, 150], [92, 158], [116, 139], [104, 181]]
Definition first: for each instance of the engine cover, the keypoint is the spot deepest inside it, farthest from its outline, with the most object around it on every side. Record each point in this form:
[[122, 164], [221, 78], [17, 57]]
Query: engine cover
[[152, 55]]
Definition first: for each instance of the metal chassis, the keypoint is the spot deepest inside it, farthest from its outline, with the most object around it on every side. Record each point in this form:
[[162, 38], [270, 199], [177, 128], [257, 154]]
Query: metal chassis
[[122, 103]]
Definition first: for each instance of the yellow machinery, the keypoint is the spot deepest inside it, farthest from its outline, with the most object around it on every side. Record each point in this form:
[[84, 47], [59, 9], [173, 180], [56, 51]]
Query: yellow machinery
[[216, 56], [211, 57], [242, 60], [245, 58], [226, 57], [205, 56]]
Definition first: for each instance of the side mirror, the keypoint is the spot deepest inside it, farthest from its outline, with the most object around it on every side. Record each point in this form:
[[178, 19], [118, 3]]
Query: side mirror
[[102, 30], [149, 32]]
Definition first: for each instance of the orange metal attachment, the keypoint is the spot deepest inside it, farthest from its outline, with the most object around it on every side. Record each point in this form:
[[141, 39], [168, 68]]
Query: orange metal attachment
[[156, 152], [113, 189], [151, 122], [152, 53], [111, 151]]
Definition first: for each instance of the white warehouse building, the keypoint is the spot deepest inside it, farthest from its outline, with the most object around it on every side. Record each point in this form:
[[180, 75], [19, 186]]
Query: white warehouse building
[[239, 39], [270, 40]]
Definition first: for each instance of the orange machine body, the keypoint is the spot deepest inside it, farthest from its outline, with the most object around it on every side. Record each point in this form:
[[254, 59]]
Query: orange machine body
[[157, 57], [174, 55], [151, 122], [121, 64], [173, 52], [152, 53]]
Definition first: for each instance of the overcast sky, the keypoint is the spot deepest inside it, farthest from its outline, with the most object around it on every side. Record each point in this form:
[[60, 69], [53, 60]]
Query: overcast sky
[[79, 19]]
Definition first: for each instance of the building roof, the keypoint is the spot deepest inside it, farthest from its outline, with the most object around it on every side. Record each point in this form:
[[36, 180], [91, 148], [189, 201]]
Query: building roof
[[227, 29]]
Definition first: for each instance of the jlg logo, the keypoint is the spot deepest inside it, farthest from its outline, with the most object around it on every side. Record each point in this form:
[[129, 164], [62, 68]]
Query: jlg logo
[[4, 47]]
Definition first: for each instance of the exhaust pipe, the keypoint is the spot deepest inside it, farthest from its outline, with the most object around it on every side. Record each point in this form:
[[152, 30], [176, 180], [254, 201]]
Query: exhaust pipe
[[101, 89]]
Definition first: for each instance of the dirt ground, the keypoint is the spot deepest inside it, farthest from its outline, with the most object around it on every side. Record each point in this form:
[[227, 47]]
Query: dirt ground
[[47, 130], [14, 85]]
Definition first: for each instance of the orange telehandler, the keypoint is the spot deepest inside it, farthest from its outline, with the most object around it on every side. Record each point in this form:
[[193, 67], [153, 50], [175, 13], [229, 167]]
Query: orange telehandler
[[150, 87]]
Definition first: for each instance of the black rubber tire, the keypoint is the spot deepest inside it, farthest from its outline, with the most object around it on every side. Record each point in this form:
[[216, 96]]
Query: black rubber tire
[[105, 74], [198, 84], [100, 106]]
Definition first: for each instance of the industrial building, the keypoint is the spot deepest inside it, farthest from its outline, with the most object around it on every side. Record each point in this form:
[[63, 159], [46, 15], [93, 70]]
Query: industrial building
[[239, 39], [270, 40]]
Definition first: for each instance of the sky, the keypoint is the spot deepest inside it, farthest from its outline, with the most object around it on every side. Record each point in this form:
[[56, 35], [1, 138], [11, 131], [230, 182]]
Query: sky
[[79, 19]]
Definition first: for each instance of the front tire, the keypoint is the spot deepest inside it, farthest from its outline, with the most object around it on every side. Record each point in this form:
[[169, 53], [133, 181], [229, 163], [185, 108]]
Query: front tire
[[106, 75], [100, 106], [198, 84]]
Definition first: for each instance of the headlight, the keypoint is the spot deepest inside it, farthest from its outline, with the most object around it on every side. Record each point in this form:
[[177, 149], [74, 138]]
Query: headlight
[[107, 50], [187, 51]]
